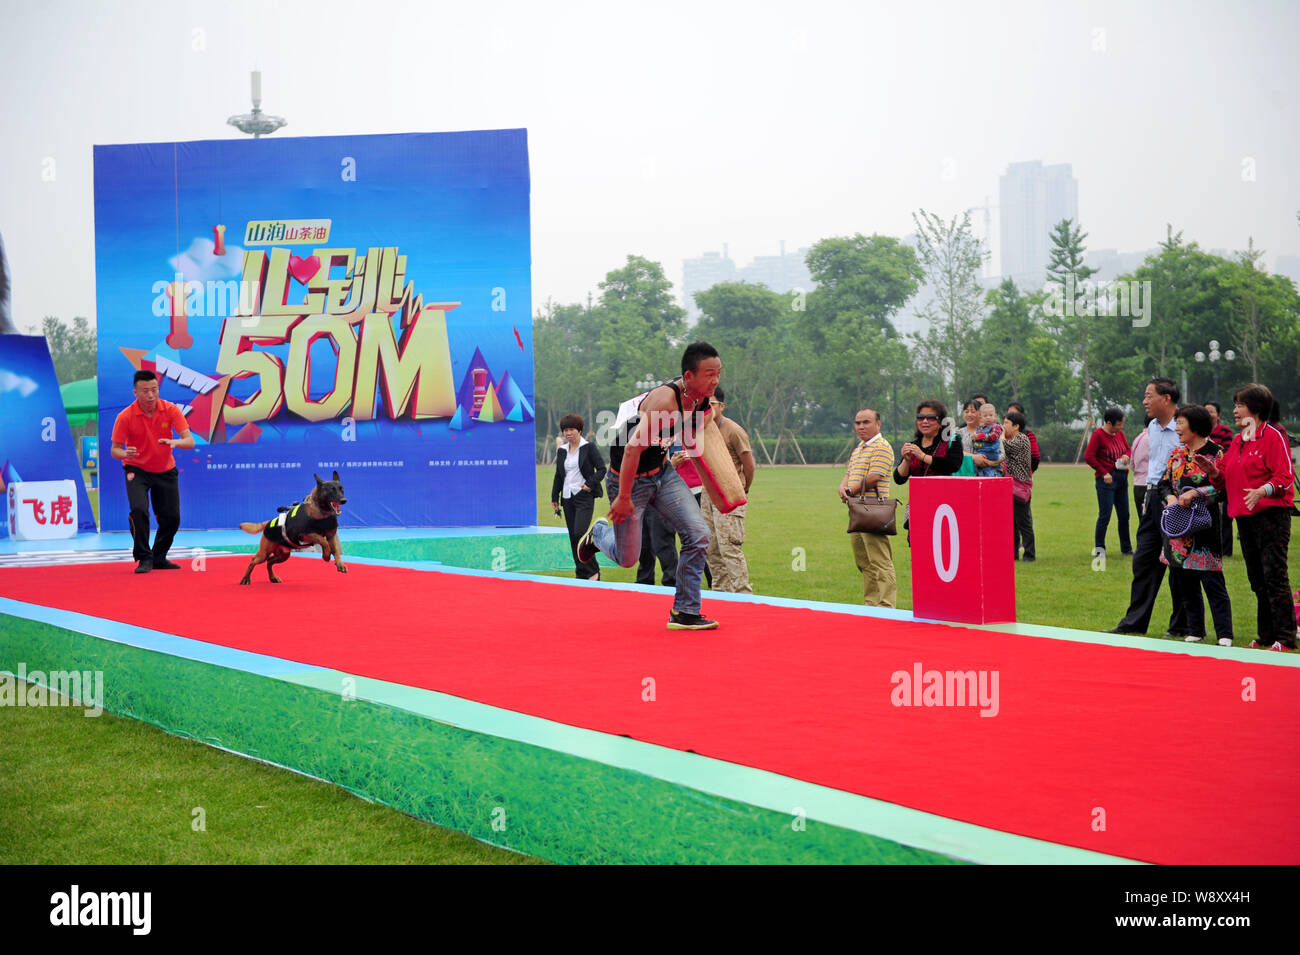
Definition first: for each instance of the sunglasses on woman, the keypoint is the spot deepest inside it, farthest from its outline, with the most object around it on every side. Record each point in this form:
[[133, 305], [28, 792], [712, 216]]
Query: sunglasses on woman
[[927, 417]]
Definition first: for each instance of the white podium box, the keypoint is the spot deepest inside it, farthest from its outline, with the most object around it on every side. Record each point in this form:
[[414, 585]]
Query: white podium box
[[42, 510]]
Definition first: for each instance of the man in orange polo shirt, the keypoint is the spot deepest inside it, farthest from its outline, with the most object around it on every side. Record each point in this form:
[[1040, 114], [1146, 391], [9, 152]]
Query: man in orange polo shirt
[[143, 442]]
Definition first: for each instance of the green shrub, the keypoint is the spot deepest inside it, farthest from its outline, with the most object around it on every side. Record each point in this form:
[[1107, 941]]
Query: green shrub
[[1057, 442], [817, 449]]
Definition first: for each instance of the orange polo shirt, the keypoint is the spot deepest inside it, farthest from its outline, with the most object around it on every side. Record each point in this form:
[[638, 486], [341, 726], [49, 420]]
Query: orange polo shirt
[[136, 429]]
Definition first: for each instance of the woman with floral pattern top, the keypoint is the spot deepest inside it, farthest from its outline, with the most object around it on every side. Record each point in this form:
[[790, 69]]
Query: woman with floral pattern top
[[1197, 559]]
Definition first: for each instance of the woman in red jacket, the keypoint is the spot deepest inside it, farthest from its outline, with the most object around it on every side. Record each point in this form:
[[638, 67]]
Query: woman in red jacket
[[1259, 484], [1108, 456]]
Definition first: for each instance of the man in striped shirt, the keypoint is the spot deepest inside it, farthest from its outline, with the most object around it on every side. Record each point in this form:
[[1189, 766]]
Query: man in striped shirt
[[870, 466]]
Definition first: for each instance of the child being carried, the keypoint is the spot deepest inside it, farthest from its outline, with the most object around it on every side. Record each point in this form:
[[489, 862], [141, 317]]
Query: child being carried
[[988, 442]]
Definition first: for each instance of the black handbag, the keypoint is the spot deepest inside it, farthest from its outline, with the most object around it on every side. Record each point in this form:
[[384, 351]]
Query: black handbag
[[868, 515]]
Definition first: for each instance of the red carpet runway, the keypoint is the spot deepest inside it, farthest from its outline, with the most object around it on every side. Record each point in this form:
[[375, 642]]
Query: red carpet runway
[[1156, 756]]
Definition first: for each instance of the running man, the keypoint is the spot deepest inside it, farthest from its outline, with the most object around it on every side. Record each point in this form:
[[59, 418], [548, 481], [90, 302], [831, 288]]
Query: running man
[[641, 475]]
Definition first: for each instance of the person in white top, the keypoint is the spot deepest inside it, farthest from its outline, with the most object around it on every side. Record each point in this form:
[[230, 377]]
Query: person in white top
[[579, 469]]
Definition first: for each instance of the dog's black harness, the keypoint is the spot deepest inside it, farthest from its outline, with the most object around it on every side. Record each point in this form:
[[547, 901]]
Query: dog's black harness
[[291, 528]]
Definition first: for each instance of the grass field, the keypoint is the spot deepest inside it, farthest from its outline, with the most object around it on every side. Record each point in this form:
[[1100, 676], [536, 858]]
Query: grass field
[[75, 790], [109, 790]]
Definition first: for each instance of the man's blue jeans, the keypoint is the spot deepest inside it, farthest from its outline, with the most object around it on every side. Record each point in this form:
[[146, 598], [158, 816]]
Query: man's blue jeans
[[668, 494]]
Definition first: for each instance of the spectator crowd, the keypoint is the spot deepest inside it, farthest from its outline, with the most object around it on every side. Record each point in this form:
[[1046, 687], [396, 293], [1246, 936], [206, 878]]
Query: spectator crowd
[[1195, 479]]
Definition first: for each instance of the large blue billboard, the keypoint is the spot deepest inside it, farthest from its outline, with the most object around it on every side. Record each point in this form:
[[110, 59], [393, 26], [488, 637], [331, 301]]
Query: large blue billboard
[[36, 442], [359, 303]]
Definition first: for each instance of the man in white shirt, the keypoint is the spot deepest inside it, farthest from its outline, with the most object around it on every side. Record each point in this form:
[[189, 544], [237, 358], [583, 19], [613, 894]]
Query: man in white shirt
[[1160, 401]]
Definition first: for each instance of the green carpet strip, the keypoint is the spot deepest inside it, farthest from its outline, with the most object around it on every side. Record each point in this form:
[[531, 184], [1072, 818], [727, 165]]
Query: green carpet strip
[[534, 800], [503, 552], [1157, 644]]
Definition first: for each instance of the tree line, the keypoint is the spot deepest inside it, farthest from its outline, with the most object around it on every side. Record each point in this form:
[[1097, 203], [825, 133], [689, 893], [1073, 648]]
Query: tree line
[[803, 362]]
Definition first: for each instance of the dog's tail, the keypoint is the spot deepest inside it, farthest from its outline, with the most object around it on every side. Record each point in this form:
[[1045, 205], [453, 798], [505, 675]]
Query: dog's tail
[[250, 528]]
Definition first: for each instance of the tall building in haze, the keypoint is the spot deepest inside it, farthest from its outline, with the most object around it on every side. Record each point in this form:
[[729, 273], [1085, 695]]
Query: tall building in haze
[[1033, 198], [703, 273], [1111, 263], [780, 273], [1288, 265]]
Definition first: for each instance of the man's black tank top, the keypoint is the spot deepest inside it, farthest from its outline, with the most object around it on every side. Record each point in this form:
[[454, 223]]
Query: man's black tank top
[[652, 458]]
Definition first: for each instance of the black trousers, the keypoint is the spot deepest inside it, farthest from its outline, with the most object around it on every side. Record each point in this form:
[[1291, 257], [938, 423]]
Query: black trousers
[[1216, 591], [1149, 574], [1226, 524], [577, 517], [1023, 528], [1264, 540], [163, 489], [658, 539]]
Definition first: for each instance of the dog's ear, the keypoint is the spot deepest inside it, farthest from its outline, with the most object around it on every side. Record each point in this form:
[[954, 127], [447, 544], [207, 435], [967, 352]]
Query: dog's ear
[[336, 476], [318, 480]]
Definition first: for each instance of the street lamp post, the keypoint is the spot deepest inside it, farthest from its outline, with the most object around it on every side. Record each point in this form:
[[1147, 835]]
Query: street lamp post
[[257, 124], [1213, 358]]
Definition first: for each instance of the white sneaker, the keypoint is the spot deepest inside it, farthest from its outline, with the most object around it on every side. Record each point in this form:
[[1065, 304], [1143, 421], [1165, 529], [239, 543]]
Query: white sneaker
[[1225, 641], [1191, 639]]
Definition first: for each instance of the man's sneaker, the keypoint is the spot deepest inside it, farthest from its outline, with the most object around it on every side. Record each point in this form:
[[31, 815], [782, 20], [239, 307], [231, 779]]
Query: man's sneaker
[[1174, 635], [166, 564], [1280, 648], [144, 567], [1225, 641], [690, 621], [587, 548], [1190, 639]]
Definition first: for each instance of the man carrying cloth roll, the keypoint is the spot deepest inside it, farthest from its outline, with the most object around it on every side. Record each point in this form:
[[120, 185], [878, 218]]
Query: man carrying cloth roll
[[641, 475]]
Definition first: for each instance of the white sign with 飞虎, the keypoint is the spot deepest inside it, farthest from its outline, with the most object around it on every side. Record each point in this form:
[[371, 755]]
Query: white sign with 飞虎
[[41, 510]]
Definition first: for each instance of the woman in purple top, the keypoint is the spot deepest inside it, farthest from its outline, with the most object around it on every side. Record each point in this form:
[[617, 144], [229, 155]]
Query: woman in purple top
[[1139, 459]]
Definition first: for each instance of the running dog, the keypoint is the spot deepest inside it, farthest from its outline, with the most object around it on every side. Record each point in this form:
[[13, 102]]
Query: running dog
[[312, 522]]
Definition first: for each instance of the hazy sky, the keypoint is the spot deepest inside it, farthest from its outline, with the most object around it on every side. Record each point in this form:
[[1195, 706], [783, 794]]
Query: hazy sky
[[667, 129]]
